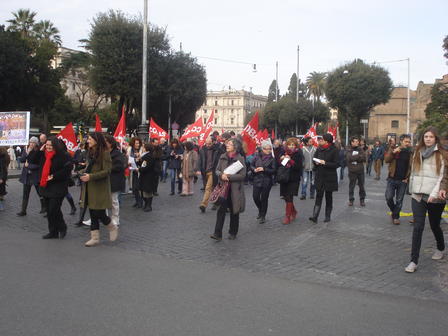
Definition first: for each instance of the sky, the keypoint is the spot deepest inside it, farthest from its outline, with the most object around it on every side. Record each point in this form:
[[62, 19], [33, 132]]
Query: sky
[[329, 33]]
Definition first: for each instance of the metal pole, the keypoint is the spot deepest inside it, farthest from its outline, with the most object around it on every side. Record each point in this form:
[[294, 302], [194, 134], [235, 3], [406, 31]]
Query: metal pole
[[276, 92], [346, 130], [408, 119], [145, 62], [297, 84], [169, 115]]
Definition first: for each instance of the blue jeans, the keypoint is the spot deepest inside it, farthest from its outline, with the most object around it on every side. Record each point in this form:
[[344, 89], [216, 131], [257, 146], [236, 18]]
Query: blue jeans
[[174, 173], [308, 176], [163, 173], [395, 189]]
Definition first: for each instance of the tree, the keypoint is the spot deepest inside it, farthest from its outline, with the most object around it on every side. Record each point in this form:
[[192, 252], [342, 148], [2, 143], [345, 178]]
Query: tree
[[316, 84], [45, 30], [22, 22], [272, 88], [437, 110], [354, 89], [445, 46]]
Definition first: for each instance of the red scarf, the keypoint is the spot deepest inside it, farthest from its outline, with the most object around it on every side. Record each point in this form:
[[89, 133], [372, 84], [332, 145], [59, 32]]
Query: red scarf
[[290, 153], [326, 145], [46, 168]]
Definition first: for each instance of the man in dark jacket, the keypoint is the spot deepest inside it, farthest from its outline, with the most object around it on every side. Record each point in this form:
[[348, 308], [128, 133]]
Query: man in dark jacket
[[208, 160], [377, 158], [165, 155], [117, 178], [398, 158], [355, 157]]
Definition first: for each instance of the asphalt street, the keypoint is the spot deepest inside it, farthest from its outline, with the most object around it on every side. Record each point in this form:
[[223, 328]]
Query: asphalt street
[[164, 276]]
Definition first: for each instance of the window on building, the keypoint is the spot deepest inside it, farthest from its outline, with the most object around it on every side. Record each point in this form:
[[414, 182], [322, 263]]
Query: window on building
[[73, 86], [231, 121], [216, 121], [205, 121], [205, 111], [216, 103], [395, 124], [232, 102]]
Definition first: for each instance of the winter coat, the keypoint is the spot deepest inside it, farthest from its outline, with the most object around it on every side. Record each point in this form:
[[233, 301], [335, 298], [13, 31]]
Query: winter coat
[[190, 164], [308, 155], [97, 189], [4, 162], [342, 161], [291, 188], [173, 162], [30, 174], [326, 177], [61, 169], [377, 153], [426, 181], [355, 162], [117, 178], [203, 161], [147, 180], [391, 159], [236, 181], [263, 179]]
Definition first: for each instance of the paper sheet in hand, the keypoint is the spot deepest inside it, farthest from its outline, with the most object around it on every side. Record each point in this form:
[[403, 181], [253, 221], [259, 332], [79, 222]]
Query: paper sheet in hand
[[316, 160], [285, 161], [355, 153], [233, 168], [132, 163]]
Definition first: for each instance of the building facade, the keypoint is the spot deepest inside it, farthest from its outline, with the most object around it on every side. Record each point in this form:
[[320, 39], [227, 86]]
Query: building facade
[[231, 108]]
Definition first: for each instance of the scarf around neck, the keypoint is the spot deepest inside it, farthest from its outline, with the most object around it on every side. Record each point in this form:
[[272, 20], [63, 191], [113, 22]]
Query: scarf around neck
[[327, 145], [46, 168], [427, 152]]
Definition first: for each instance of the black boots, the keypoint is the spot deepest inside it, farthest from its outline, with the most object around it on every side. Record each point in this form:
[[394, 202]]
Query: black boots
[[82, 213], [148, 204], [72, 205], [316, 211], [42, 206], [24, 205], [327, 214]]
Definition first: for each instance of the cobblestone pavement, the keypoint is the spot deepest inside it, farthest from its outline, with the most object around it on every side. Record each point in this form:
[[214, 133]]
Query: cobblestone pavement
[[359, 249]]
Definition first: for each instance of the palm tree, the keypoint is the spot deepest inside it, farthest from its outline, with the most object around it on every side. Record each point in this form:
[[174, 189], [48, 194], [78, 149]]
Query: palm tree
[[45, 30], [23, 22], [316, 83]]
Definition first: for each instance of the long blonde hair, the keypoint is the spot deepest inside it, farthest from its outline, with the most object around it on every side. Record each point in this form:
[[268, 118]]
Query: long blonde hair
[[439, 154]]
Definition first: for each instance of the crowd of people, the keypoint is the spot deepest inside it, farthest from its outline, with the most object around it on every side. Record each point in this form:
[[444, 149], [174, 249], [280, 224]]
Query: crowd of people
[[106, 170]]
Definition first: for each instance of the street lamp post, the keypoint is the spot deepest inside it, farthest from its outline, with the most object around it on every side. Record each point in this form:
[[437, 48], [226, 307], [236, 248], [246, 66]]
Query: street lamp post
[[276, 93], [143, 128], [297, 84]]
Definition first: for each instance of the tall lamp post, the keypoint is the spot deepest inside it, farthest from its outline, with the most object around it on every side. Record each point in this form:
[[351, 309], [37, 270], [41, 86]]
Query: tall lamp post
[[143, 128], [276, 93]]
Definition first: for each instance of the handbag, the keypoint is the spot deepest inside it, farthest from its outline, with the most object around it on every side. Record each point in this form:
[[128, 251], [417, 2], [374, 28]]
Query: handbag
[[220, 193], [283, 174]]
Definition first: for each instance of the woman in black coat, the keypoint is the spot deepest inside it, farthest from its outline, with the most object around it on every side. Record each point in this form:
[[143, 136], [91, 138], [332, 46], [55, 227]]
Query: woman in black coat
[[148, 176], [294, 156], [326, 179], [263, 168], [55, 175], [4, 163], [175, 156]]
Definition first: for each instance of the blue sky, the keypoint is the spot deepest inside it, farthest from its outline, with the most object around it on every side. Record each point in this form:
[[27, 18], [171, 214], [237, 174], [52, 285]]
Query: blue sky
[[330, 33]]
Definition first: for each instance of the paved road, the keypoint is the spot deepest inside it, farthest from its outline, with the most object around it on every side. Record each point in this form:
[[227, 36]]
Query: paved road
[[358, 253]]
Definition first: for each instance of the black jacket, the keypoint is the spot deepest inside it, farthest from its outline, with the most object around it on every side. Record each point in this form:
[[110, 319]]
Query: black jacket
[[263, 179], [61, 169], [4, 161], [30, 174], [117, 178], [147, 180], [173, 162], [326, 177]]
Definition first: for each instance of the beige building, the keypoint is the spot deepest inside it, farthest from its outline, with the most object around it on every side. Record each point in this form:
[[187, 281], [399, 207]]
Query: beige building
[[231, 108], [390, 119]]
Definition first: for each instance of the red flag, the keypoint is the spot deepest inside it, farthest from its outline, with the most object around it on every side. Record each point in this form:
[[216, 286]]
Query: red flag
[[156, 132], [68, 136], [249, 134], [312, 133], [333, 130], [262, 135], [207, 129], [193, 131], [272, 134], [98, 127], [120, 132]]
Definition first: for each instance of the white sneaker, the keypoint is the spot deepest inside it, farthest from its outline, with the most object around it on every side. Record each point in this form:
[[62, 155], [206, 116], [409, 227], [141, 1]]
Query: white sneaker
[[87, 222], [411, 268], [437, 255]]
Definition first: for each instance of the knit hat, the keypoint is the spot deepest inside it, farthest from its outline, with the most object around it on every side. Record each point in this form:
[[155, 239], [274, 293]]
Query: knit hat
[[35, 140]]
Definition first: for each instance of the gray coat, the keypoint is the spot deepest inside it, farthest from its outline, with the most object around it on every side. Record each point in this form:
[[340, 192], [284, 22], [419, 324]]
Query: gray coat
[[236, 181], [308, 155]]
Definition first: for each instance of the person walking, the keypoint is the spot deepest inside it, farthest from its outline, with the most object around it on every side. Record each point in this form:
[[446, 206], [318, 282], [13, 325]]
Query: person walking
[[377, 158], [32, 160], [117, 178], [236, 201], [134, 154], [399, 159], [342, 161], [308, 151], [96, 190], [157, 154], [208, 160], [18, 152], [4, 164], [292, 159], [263, 167], [326, 162], [355, 158], [148, 177], [12, 158], [427, 172], [174, 165], [165, 155], [55, 175], [190, 168]]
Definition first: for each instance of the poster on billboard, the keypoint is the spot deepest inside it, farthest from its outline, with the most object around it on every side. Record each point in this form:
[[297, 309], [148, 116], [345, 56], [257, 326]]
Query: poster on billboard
[[14, 128]]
